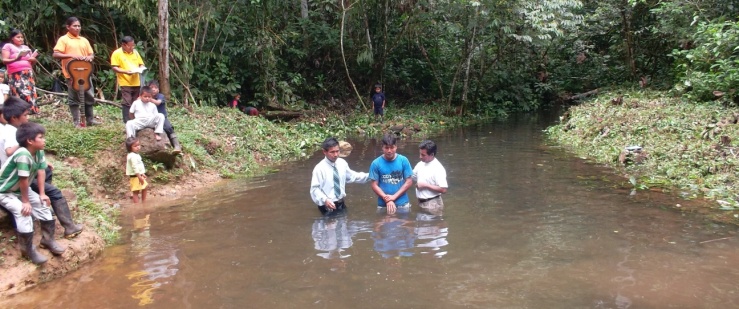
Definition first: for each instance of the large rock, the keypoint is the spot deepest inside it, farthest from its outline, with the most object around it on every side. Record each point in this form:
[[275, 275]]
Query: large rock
[[345, 149], [157, 151]]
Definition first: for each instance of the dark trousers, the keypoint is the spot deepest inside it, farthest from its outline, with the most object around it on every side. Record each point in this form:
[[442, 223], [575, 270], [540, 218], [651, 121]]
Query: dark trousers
[[339, 207], [51, 191], [168, 128], [73, 97], [128, 95]]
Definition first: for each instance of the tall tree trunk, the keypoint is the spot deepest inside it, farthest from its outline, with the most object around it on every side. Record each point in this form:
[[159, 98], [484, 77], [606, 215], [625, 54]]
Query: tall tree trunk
[[163, 53], [628, 37], [384, 45], [304, 9], [433, 68], [465, 87], [343, 56], [366, 28]]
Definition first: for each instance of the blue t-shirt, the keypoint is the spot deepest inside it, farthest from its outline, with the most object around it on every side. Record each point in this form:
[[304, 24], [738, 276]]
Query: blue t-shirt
[[161, 108], [390, 176], [378, 98]]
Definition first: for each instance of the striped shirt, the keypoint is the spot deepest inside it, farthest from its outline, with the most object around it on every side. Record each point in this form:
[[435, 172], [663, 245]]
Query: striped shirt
[[20, 164]]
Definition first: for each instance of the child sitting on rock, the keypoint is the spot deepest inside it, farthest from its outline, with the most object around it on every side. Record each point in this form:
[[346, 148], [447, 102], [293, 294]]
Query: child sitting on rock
[[144, 114], [160, 101]]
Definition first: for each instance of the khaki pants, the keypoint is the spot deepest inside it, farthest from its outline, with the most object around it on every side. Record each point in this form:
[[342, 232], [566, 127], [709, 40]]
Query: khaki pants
[[24, 224]]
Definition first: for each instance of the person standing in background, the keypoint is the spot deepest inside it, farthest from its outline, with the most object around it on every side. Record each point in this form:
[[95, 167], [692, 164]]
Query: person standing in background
[[19, 61], [127, 65], [72, 46]]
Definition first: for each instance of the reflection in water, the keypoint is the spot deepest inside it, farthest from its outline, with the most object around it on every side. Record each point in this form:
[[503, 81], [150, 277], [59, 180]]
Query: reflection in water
[[394, 234], [431, 231], [333, 234], [158, 258]]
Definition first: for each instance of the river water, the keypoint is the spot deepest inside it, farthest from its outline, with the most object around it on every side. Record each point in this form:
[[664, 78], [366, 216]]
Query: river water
[[525, 226]]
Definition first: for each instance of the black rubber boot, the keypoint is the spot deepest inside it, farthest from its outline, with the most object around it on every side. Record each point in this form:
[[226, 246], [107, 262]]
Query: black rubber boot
[[90, 116], [28, 250], [175, 143], [61, 210], [47, 238], [75, 110]]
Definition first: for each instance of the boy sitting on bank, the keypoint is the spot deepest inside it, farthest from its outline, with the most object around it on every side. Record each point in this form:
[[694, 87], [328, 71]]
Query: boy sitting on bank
[[160, 101], [144, 114], [15, 112], [26, 163]]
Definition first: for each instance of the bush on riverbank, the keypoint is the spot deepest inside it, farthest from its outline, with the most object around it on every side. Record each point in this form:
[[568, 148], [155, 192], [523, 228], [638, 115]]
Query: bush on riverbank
[[682, 140]]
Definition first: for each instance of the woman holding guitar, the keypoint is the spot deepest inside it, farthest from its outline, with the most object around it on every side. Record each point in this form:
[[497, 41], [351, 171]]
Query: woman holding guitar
[[19, 61], [76, 54]]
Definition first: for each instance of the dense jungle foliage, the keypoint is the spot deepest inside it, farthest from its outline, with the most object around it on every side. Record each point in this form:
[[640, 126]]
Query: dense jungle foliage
[[484, 57]]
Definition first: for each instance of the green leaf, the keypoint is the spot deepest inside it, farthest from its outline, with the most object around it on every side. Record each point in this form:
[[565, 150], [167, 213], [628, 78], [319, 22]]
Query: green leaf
[[64, 7]]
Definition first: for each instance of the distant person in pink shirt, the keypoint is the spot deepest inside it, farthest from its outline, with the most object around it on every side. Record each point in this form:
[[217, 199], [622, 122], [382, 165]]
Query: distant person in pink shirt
[[19, 60], [235, 102]]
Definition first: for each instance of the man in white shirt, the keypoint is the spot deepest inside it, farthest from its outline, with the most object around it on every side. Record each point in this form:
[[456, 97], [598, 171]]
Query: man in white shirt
[[430, 178], [330, 176]]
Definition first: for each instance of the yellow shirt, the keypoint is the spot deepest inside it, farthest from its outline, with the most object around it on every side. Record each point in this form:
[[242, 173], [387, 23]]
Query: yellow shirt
[[72, 45], [127, 61]]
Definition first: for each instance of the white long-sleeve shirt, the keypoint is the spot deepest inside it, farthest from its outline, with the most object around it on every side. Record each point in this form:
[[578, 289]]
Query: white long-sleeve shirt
[[322, 182]]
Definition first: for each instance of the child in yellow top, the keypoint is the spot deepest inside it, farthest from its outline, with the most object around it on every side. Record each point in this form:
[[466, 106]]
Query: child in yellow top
[[135, 169]]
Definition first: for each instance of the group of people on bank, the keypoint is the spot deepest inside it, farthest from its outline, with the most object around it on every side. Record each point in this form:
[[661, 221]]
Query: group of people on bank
[[26, 190], [390, 174]]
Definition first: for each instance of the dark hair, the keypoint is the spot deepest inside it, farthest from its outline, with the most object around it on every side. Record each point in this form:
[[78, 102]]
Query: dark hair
[[152, 83], [129, 143], [13, 32], [389, 139], [127, 39], [14, 107], [146, 89], [378, 85], [329, 143], [28, 131], [71, 20], [430, 147]]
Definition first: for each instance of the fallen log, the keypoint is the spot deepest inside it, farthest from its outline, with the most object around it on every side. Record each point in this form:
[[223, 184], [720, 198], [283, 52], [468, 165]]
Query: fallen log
[[61, 94], [582, 95], [282, 115]]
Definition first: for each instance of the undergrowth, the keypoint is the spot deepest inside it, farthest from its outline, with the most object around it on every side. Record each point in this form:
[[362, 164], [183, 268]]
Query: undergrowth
[[681, 139]]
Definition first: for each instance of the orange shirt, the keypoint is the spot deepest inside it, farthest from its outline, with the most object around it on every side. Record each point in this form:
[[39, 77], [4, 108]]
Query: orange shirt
[[72, 45]]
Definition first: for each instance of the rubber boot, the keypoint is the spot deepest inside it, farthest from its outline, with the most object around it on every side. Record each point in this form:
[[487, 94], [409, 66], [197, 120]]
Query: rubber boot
[[61, 210], [90, 116], [75, 110], [175, 143], [47, 237], [28, 250]]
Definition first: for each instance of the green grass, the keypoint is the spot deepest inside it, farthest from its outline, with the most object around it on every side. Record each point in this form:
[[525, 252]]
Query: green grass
[[674, 133]]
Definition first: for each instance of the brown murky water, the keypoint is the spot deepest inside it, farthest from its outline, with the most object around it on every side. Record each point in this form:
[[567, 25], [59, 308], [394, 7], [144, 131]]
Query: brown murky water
[[525, 226]]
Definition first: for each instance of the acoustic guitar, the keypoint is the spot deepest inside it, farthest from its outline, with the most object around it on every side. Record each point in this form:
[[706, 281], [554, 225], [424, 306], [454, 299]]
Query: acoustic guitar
[[80, 72]]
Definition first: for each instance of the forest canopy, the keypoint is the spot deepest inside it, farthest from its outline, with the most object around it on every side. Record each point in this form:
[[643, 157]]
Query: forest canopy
[[483, 57]]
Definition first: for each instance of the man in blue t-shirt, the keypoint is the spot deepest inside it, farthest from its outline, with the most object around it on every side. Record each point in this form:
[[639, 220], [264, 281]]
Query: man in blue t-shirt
[[391, 176]]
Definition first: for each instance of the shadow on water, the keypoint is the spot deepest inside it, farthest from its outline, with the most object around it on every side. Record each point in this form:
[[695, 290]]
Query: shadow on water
[[524, 226]]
